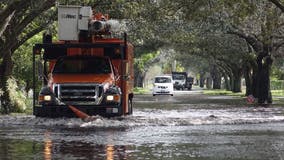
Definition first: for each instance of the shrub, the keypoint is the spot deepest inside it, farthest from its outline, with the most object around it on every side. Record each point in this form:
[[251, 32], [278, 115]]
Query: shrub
[[18, 98], [277, 84]]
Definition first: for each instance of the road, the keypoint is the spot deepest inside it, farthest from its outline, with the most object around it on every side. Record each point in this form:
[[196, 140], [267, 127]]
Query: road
[[188, 125]]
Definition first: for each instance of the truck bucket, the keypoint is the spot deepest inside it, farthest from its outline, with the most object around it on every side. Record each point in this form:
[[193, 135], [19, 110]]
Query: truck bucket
[[79, 113]]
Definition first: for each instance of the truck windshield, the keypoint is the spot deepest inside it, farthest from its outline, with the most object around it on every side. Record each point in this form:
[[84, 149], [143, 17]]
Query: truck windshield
[[178, 77], [162, 80], [90, 65]]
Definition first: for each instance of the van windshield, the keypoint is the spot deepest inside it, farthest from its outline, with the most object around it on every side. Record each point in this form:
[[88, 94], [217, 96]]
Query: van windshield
[[162, 80], [82, 65]]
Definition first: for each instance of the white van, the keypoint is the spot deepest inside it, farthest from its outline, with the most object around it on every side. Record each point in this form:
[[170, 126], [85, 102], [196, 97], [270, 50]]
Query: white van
[[163, 85]]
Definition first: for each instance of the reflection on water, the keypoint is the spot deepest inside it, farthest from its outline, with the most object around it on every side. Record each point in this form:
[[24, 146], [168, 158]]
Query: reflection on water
[[47, 146], [79, 150], [109, 152], [255, 141]]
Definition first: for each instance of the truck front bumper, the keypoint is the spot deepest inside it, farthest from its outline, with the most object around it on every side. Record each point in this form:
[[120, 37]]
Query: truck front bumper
[[178, 86], [54, 111]]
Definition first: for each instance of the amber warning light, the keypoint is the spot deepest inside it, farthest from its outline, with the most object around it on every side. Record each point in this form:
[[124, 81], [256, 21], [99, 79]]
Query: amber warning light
[[37, 51]]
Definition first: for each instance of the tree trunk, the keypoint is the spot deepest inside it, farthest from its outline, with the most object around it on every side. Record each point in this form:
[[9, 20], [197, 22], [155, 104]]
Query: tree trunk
[[227, 84], [217, 81], [208, 82], [263, 81], [248, 75], [202, 79], [6, 73], [237, 80], [216, 77], [139, 78]]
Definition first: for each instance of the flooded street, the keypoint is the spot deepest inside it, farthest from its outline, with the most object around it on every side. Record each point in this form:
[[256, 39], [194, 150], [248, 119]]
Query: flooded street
[[182, 127]]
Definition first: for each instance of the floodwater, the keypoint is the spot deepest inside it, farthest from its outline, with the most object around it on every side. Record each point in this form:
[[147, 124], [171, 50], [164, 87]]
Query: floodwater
[[182, 127]]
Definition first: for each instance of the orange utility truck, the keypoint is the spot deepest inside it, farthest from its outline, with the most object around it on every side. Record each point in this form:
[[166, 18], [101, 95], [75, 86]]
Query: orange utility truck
[[89, 68]]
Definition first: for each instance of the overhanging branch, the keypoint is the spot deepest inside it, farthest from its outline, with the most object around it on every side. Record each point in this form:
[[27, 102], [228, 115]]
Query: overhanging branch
[[278, 4]]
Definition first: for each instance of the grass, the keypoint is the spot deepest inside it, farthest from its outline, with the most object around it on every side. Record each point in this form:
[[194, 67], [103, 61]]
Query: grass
[[139, 90], [222, 92], [279, 93]]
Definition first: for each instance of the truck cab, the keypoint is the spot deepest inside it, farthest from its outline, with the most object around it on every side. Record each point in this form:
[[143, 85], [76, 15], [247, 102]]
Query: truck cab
[[179, 80], [90, 70]]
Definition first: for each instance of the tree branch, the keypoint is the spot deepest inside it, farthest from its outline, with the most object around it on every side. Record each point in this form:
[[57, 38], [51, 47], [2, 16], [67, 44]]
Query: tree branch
[[278, 4], [256, 45], [33, 14], [5, 23], [12, 6]]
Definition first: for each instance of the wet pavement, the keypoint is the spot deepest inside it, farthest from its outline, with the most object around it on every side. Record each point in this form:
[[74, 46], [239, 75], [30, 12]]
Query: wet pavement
[[188, 125]]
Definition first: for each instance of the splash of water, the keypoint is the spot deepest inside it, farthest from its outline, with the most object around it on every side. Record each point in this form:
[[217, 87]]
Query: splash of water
[[158, 117]]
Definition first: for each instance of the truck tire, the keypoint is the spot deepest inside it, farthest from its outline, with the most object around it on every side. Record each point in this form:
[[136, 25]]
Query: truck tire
[[130, 103], [130, 107]]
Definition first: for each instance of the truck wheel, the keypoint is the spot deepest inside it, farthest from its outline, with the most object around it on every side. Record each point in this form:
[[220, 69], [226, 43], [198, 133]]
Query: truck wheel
[[130, 103], [130, 109]]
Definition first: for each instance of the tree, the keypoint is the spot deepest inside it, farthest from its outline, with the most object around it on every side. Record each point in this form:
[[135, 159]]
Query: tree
[[267, 23], [259, 24], [21, 22]]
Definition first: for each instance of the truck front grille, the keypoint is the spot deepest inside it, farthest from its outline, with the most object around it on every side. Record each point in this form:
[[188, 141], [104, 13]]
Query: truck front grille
[[79, 94]]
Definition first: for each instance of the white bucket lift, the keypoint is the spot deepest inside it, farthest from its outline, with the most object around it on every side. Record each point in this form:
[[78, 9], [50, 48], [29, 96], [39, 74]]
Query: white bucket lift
[[72, 19]]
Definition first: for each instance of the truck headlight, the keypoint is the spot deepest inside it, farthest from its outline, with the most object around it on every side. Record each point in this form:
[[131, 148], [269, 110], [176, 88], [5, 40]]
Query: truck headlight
[[110, 98], [47, 98], [44, 98], [113, 98]]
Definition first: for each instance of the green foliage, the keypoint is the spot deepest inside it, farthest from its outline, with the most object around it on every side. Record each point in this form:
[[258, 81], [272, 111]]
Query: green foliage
[[22, 58], [277, 84], [22, 72], [180, 68], [279, 93], [277, 71], [1, 92], [18, 98], [142, 61], [139, 90]]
